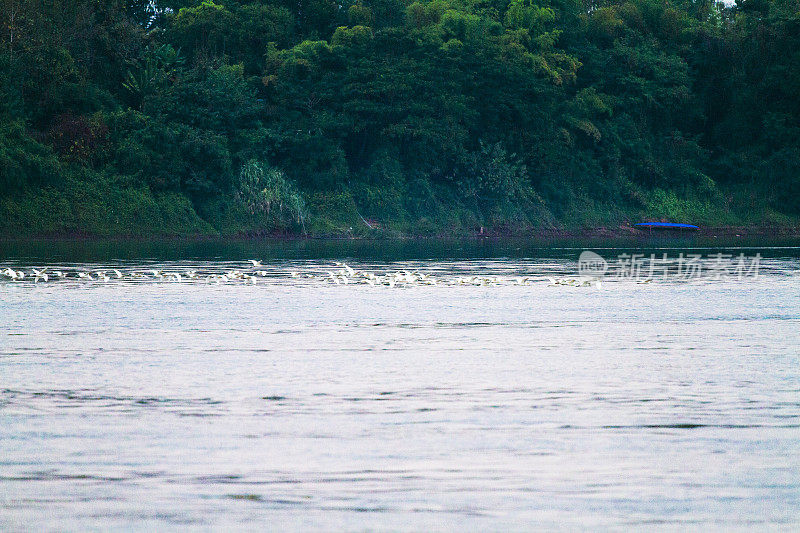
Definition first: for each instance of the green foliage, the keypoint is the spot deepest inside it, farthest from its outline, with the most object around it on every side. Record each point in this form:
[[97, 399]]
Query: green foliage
[[266, 191], [168, 156], [154, 74], [396, 115], [239, 32], [360, 15], [334, 212], [490, 175], [23, 161], [355, 37], [86, 203]]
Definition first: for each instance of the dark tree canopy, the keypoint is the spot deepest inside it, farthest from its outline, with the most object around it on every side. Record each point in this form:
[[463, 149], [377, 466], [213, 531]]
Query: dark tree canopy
[[420, 115]]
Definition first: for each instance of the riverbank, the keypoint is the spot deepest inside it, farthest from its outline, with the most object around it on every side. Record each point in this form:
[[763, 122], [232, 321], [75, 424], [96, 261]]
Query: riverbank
[[622, 231], [98, 210], [613, 233]]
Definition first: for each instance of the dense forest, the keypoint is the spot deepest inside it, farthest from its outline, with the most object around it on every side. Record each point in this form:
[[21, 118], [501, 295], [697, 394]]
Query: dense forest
[[395, 116]]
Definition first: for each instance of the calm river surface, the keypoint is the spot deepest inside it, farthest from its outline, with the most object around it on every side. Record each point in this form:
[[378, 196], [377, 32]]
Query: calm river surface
[[480, 397]]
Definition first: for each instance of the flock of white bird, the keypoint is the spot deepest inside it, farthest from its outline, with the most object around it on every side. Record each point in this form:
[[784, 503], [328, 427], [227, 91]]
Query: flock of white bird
[[346, 274], [340, 274]]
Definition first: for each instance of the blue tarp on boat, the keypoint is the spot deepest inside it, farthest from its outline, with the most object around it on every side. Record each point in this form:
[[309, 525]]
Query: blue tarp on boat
[[666, 225]]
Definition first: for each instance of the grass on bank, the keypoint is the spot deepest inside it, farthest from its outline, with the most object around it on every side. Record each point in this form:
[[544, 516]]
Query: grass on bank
[[270, 205]]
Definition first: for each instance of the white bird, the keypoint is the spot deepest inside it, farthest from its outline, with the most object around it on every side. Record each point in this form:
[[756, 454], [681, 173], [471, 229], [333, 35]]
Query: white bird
[[39, 275], [254, 262], [117, 273], [348, 269]]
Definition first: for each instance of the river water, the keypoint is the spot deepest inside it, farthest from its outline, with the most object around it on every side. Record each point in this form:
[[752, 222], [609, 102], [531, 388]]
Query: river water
[[304, 398]]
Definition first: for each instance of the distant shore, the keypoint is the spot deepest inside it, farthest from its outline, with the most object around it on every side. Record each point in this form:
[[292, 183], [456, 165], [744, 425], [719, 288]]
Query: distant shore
[[611, 232]]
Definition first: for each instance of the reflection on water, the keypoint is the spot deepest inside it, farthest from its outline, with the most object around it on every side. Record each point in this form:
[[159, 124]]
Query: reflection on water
[[299, 403], [98, 251]]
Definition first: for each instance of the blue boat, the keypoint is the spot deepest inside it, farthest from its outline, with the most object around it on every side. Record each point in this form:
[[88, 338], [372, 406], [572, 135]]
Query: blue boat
[[665, 225]]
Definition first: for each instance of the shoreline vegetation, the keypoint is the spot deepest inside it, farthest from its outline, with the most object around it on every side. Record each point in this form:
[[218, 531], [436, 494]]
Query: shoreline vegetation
[[398, 118], [625, 231]]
